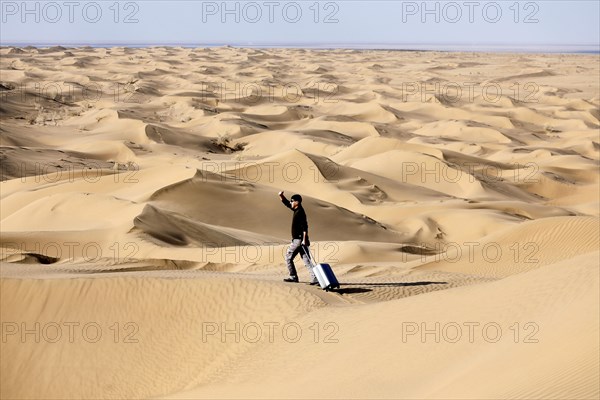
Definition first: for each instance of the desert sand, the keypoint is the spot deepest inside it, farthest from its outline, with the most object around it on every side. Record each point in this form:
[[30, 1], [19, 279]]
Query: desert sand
[[456, 196]]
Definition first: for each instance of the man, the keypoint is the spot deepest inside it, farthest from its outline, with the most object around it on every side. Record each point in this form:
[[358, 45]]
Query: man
[[299, 238]]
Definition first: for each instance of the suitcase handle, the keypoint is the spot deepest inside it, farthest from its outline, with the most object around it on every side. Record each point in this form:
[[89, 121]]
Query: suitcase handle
[[310, 258]]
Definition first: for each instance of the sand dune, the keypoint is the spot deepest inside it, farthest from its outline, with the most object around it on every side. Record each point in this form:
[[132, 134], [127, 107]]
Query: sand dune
[[483, 365], [142, 241]]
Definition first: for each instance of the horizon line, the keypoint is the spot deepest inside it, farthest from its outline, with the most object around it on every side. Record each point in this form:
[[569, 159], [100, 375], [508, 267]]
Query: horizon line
[[577, 48]]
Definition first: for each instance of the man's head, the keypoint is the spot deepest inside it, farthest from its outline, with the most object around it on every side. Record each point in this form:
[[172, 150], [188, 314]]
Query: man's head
[[296, 200]]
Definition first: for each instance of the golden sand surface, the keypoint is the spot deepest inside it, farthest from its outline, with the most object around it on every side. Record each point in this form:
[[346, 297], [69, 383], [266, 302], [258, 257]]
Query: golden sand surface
[[456, 196]]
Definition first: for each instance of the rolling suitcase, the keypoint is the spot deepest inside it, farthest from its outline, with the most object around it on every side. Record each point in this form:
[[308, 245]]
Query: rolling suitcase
[[324, 273]]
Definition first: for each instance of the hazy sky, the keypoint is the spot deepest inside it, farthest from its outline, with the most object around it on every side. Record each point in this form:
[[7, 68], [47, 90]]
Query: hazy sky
[[437, 23]]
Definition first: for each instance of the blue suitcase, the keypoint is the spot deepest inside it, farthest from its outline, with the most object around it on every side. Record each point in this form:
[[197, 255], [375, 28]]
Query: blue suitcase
[[324, 274]]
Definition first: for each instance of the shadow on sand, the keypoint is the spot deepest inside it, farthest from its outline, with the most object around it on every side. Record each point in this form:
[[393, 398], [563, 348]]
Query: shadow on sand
[[350, 288]]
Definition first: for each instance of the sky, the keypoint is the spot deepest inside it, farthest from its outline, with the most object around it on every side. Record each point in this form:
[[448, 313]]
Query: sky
[[538, 25]]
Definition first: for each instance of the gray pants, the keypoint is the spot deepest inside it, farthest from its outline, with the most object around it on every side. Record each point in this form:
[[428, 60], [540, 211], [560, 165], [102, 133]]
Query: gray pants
[[292, 251]]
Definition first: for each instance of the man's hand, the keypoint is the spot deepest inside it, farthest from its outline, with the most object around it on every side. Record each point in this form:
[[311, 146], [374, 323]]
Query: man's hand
[[281, 193]]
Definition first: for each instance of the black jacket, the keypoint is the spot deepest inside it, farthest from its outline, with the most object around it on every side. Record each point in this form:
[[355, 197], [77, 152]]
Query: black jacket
[[299, 221]]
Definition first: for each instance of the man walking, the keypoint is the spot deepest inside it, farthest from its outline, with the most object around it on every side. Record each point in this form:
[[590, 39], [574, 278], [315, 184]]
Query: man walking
[[299, 238]]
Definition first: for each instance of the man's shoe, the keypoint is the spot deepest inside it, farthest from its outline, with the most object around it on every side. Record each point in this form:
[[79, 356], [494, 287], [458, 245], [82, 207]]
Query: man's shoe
[[314, 282], [293, 279]]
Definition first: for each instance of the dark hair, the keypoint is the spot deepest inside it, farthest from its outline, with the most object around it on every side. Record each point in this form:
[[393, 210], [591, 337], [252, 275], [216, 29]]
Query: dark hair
[[297, 197]]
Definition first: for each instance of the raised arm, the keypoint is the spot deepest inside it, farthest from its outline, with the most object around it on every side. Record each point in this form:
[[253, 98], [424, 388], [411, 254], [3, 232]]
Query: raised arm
[[285, 201]]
